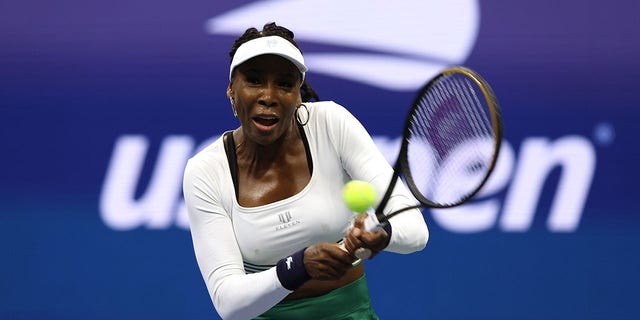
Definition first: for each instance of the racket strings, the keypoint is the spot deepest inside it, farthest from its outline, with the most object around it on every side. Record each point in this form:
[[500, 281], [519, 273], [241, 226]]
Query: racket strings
[[450, 147], [474, 110]]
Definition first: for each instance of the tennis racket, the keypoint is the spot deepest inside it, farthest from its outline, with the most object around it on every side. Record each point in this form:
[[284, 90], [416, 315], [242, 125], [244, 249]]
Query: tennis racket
[[451, 141]]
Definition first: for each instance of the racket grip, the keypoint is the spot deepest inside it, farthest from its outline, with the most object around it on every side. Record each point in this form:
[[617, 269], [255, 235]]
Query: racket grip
[[362, 253], [355, 263]]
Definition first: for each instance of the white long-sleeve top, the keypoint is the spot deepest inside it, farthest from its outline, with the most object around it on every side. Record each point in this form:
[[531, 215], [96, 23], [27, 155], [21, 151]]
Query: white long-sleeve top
[[237, 247]]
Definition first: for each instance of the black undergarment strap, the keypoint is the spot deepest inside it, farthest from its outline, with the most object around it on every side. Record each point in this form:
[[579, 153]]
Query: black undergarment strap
[[230, 148], [307, 150]]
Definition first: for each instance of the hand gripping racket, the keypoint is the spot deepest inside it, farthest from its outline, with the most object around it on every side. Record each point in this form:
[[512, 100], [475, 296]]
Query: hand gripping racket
[[450, 144]]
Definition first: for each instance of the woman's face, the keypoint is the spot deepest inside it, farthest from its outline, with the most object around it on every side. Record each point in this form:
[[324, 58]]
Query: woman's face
[[266, 92]]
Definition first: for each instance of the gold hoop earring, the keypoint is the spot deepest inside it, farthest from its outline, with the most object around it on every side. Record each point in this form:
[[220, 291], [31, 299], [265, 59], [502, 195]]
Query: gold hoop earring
[[298, 115]]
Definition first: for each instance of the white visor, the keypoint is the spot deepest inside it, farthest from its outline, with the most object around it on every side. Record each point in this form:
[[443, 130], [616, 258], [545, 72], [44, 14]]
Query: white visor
[[268, 45]]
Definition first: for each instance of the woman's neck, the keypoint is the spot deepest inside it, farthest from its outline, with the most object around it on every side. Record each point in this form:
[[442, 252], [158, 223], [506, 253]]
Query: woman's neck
[[251, 151]]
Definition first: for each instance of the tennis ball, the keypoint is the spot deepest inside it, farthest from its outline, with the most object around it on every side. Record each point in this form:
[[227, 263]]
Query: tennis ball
[[358, 195]]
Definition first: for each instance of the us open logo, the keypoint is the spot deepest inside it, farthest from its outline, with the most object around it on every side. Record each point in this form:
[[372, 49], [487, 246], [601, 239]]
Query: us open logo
[[416, 40]]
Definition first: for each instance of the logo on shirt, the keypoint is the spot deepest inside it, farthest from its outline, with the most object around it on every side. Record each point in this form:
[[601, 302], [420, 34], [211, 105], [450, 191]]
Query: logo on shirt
[[286, 221], [285, 217]]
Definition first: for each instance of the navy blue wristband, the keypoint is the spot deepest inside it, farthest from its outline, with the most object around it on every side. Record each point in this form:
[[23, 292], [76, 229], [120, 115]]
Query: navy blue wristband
[[291, 271], [387, 228]]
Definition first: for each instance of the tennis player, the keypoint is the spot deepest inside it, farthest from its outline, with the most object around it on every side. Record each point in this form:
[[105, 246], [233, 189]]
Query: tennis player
[[264, 200]]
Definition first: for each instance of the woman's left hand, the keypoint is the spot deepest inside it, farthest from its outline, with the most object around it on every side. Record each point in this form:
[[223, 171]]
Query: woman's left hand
[[357, 237]]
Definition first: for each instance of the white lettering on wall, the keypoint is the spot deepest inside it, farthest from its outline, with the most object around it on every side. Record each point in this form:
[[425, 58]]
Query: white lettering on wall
[[155, 208], [576, 158], [480, 215], [521, 176]]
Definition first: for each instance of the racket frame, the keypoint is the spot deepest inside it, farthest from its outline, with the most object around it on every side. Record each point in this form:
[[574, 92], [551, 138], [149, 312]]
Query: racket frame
[[401, 167]]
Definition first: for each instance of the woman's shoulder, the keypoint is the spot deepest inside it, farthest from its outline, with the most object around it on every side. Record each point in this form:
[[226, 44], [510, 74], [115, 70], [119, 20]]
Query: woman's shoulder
[[325, 109], [211, 155], [322, 105]]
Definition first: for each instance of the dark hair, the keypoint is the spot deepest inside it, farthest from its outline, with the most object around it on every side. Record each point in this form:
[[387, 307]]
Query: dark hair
[[271, 29]]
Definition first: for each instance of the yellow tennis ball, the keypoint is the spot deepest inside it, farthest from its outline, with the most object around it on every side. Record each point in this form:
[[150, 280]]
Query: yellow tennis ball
[[359, 195]]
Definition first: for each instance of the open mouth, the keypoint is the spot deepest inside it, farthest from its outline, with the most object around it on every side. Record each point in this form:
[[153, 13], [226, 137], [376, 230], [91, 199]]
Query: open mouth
[[265, 121]]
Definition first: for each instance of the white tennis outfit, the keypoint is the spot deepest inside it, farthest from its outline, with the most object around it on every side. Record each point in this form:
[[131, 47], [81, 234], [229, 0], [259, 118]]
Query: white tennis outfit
[[237, 247]]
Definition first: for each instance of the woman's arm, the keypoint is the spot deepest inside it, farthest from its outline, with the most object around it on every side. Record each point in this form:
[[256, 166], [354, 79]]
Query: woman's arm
[[363, 161], [235, 295]]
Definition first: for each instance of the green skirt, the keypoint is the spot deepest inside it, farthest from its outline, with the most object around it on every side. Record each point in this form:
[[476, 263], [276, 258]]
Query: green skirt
[[349, 302]]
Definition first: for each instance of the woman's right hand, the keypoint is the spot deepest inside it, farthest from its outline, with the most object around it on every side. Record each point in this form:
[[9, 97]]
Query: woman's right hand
[[357, 237], [327, 261]]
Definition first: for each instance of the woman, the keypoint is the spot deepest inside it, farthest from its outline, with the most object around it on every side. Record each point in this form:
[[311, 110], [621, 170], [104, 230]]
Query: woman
[[264, 201]]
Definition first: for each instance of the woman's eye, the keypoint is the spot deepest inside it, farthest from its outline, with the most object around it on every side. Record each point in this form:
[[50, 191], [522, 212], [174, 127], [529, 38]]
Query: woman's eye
[[253, 80], [286, 84]]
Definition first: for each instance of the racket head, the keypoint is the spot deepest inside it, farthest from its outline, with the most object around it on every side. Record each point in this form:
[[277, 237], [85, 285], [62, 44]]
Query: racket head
[[451, 140]]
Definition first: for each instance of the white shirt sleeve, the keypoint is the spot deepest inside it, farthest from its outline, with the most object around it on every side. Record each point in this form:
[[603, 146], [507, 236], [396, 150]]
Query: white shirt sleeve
[[363, 161], [234, 294]]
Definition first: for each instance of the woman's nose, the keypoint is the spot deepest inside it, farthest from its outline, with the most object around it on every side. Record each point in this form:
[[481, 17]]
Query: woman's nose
[[267, 96]]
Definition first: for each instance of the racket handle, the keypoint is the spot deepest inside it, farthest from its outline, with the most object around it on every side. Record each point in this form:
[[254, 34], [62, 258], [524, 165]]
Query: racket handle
[[355, 263], [362, 253]]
